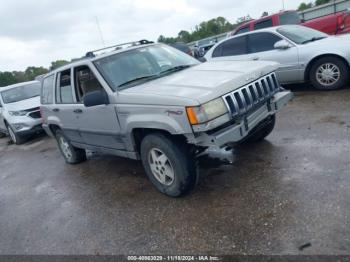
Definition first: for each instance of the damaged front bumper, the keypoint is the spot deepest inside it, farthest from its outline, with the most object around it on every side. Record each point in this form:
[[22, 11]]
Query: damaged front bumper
[[242, 127]]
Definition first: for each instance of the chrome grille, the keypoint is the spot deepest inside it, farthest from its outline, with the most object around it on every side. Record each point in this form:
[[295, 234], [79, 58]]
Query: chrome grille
[[247, 97]]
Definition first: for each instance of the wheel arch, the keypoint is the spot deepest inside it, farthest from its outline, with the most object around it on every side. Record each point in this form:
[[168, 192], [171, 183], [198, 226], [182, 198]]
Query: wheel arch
[[53, 128], [137, 135], [309, 65]]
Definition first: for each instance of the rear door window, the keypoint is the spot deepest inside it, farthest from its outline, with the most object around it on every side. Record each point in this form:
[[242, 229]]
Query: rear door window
[[263, 24], [64, 91], [262, 42], [47, 90], [232, 47]]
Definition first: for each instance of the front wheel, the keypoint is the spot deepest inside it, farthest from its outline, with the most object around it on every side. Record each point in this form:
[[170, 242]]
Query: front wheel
[[168, 164], [329, 73], [71, 154], [15, 138]]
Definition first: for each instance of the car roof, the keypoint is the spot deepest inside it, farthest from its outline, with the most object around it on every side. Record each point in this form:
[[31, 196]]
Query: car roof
[[18, 85], [83, 60], [267, 29], [262, 19]]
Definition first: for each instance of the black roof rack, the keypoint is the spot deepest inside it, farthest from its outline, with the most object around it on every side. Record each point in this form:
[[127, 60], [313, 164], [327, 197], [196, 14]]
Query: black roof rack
[[135, 43]]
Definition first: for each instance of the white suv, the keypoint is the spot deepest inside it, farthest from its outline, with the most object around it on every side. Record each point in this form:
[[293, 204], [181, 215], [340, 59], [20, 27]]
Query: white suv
[[20, 110]]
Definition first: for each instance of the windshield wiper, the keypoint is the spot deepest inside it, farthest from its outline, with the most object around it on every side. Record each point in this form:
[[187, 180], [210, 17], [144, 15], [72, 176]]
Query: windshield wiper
[[138, 79], [313, 39], [175, 69], [150, 77]]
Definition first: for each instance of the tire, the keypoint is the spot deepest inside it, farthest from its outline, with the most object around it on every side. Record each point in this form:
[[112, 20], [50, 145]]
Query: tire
[[260, 134], [72, 155], [337, 69], [169, 165], [15, 138]]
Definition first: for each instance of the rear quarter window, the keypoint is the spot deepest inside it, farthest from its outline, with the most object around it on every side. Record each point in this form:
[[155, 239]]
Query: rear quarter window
[[47, 90]]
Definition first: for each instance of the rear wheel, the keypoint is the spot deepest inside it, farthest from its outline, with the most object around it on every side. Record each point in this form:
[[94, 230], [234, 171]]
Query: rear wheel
[[329, 73], [15, 138], [168, 164], [71, 154]]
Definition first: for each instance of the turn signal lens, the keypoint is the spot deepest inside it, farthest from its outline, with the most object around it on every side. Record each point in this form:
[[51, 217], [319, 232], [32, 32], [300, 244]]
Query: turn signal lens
[[191, 113], [206, 112]]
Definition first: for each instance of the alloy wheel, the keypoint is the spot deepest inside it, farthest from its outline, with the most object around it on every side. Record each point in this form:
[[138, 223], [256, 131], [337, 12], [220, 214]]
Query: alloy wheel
[[12, 135], [161, 167], [64, 145], [327, 74]]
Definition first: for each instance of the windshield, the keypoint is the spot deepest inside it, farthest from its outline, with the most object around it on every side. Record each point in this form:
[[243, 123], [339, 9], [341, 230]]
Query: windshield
[[20, 93], [301, 34], [143, 64]]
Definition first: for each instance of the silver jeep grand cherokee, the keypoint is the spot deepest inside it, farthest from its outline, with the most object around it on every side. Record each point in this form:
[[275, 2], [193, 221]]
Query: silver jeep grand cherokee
[[152, 102]]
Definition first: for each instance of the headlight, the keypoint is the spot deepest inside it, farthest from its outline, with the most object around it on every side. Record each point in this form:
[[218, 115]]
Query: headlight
[[209, 111], [18, 113], [19, 126]]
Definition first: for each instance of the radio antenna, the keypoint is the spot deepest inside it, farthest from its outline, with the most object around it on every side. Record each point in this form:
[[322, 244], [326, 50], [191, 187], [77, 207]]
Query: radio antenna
[[100, 31]]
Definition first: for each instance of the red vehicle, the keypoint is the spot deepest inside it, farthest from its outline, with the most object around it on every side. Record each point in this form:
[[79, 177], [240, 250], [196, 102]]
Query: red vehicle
[[334, 24]]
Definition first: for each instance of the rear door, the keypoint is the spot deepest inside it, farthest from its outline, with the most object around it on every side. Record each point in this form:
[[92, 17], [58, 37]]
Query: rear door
[[98, 125], [65, 107], [261, 47]]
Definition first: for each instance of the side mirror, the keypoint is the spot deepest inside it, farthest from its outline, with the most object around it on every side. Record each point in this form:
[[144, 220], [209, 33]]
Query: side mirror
[[96, 98], [282, 45]]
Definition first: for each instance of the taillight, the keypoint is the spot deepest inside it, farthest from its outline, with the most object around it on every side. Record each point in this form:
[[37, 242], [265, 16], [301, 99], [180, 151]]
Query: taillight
[[340, 22]]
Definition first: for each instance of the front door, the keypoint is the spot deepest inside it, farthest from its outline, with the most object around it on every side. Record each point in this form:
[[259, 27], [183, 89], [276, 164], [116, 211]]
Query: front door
[[98, 125], [261, 47]]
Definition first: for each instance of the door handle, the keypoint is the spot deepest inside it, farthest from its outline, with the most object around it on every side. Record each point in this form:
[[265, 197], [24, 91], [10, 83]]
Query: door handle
[[78, 111], [56, 110], [255, 58]]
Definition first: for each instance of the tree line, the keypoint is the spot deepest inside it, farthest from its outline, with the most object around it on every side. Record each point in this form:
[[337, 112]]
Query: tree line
[[304, 6], [205, 29], [14, 77]]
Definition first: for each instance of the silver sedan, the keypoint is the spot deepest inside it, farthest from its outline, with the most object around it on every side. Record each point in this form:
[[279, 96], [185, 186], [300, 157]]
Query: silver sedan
[[305, 55]]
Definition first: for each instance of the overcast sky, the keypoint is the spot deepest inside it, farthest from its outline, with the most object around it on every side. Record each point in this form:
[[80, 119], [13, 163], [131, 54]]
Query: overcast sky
[[36, 32]]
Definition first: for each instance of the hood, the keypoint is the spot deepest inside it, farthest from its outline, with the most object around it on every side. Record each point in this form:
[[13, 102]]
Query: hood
[[24, 104], [206, 81], [331, 41]]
